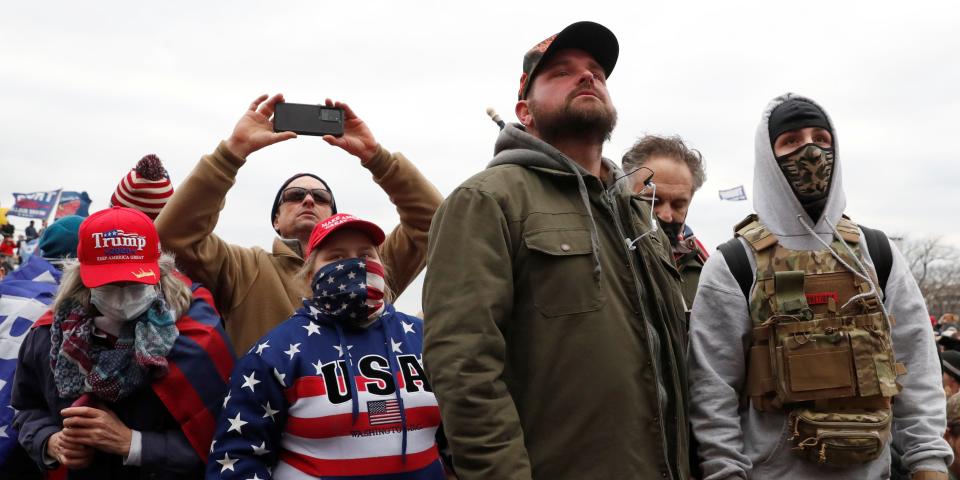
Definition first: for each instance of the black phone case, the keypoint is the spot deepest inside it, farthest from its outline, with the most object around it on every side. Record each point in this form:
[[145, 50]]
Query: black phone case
[[304, 119]]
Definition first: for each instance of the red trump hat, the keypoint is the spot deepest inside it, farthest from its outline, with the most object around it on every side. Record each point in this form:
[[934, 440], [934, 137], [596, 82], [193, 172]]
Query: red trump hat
[[118, 245], [341, 221]]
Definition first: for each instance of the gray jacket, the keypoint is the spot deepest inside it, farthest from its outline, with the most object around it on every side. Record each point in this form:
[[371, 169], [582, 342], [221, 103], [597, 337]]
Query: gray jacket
[[736, 441]]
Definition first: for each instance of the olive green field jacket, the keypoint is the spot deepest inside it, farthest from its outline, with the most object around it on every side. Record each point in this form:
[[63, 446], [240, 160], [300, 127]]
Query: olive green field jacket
[[555, 351]]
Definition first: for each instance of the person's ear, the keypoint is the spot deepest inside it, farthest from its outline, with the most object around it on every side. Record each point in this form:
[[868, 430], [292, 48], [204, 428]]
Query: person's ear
[[522, 111]]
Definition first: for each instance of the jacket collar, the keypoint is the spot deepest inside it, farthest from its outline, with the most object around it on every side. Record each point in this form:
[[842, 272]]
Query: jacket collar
[[287, 247]]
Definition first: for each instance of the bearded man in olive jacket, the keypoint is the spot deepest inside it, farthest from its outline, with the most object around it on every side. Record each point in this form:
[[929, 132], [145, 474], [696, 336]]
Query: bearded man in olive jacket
[[553, 309]]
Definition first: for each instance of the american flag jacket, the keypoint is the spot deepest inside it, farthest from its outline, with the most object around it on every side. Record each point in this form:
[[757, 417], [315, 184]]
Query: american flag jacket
[[290, 412]]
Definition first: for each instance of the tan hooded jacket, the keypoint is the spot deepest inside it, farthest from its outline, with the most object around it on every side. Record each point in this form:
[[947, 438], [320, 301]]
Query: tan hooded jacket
[[255, 289]]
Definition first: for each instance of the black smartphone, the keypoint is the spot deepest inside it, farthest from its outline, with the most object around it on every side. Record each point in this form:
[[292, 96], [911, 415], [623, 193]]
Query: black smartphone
[[305, 119]]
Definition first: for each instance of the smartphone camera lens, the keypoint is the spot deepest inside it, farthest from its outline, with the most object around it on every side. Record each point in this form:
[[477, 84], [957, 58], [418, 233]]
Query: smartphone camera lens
[[330, 115]]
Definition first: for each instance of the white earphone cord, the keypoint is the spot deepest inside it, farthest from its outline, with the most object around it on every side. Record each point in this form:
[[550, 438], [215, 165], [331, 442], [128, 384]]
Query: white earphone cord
[[632, 244], [863, 276]]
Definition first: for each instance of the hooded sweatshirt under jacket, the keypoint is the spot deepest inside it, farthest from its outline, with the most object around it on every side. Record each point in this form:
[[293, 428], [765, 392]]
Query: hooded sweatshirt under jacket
[[737, 441], [555, 352]]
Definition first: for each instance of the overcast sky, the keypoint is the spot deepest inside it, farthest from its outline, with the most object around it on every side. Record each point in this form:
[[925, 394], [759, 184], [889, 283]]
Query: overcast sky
[[90, 87]]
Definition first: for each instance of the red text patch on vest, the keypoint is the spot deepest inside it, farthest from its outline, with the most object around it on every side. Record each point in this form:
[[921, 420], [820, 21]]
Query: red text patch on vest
[[822, 298]]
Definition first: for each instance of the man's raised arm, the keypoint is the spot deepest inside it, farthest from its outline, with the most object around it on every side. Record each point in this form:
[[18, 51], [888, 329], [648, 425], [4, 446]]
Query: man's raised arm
[[187, 222], [404, 251]]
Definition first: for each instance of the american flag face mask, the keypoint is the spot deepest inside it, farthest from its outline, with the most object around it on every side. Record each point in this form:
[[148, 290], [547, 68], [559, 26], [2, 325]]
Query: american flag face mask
[[350, 291]]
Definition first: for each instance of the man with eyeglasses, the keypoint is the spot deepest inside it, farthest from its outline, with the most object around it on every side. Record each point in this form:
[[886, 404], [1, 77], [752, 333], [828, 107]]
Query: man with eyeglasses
[[678, 173], [255, 289]]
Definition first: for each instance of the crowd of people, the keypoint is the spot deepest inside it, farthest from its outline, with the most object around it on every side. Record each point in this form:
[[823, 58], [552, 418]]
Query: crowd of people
[[573, 325], [12, 252]]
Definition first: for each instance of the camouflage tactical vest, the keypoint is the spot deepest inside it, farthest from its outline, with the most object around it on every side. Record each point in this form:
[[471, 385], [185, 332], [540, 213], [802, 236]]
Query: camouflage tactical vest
[[827, 362]]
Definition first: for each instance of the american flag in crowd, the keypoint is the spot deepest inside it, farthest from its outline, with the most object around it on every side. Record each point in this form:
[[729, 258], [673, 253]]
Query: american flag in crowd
[[25, 295], [383, 412]]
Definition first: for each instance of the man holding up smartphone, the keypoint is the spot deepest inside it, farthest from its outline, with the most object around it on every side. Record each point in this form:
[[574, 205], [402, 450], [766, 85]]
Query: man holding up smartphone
[[255, 289]]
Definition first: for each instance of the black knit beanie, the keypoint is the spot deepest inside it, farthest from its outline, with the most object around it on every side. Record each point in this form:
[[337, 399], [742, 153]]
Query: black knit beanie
[[950, 363], [793, 114], [276, 200]]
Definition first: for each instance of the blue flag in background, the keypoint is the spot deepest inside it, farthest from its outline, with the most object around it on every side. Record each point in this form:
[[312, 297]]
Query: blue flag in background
[[36, 269], [25, 295], [34, 205], [73, 203]]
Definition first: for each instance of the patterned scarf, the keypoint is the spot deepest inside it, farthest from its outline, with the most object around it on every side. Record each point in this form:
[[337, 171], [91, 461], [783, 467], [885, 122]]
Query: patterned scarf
[[82, 363]]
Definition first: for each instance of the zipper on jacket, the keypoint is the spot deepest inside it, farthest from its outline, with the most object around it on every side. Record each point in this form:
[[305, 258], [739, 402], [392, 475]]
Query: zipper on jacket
[[654, 350]]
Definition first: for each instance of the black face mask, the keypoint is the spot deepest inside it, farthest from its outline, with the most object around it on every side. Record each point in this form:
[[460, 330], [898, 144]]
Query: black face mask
[[674, 231]]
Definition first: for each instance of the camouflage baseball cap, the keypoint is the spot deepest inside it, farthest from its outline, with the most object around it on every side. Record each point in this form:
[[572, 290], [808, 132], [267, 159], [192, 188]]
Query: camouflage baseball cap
[[953, 410], [590, 37]]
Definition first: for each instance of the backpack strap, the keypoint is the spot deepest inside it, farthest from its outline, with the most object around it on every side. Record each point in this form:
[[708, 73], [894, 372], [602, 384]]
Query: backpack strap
[[735, 255], [880, 253]]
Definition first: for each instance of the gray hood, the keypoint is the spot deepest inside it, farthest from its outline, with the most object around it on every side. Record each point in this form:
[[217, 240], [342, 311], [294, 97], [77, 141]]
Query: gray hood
[[738, 441], [774, 200], [517, 147]]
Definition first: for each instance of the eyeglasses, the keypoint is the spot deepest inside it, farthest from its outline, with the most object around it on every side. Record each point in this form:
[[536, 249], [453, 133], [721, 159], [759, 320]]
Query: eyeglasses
[[297, 194]]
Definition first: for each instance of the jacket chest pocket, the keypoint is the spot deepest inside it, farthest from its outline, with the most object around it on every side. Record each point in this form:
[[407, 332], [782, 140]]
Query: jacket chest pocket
[[561, 266]]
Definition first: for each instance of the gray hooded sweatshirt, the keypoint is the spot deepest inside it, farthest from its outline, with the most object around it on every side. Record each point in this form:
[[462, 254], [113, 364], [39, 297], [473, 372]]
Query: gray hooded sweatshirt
[[737, 441]]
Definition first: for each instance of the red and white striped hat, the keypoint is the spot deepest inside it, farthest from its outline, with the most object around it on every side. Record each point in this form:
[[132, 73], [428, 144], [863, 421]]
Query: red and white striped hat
[[146, 188]]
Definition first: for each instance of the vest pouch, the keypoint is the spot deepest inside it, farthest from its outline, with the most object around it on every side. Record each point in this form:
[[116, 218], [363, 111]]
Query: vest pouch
[[840, 439], [760, 378], [873, 356], [812, 364]]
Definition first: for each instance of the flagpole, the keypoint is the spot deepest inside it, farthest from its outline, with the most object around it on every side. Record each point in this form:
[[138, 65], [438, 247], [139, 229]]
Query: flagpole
[[56, 206]]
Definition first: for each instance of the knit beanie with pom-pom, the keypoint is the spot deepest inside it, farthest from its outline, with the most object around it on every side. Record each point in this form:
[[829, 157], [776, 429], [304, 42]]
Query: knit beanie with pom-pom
[[146, 188]]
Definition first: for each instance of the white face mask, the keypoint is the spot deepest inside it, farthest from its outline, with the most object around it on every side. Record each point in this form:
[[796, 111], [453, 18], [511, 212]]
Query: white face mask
[[123, 303]]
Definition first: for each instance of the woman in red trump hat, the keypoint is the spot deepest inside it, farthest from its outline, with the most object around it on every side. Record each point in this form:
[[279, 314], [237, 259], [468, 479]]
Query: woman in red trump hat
[[338, 390], [84, 386]]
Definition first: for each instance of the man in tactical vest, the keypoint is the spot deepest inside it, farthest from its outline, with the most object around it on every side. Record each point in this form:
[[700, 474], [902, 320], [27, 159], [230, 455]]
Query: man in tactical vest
[[824, 354]]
